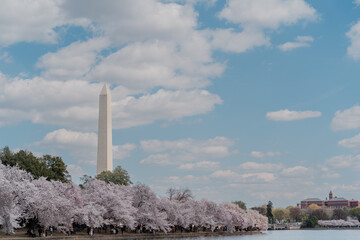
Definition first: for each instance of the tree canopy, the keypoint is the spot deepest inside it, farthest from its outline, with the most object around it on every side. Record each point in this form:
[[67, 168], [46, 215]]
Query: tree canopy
[[180, 194], [281, 214], [261, 210], [355, 212], [119, 176], [241, 204], [50, 167], [269, 214], [295, 214], [310, 222]]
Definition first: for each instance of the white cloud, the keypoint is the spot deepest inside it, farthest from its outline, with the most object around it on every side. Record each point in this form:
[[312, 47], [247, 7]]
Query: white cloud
[[260, 166], [233, 176], [70, 103], [181, 181], [75, 171], [74, 104], [353, 142], [344, 161], [331, 175], [301, 41], [162, 105], [328, 172], [166, 159], [73, 61], [157, 63], [155, 52], [229, 40], [225, 174], [28, 21], [185, 150], [296, 171], [4, 56], [267, 13], [81, 145], [135, 20], [63, 138], [254, 18], [123, 151], [23, 21], [349, 188], [347, 119], [286, 115], [203, 165], [254, 177], [353, 50], [258, 154], [217, 146], [161, 44]]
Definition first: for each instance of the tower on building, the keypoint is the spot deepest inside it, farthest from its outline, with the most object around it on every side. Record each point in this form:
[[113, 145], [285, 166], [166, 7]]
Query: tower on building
[[330, 195], [104, 151]]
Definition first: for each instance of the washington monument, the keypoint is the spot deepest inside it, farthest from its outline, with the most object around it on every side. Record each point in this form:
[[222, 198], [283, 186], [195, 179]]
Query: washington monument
[[104, 153]]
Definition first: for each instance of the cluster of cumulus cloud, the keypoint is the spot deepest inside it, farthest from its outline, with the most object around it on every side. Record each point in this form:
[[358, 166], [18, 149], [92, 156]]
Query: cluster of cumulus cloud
[[158, 57], [59, 204]]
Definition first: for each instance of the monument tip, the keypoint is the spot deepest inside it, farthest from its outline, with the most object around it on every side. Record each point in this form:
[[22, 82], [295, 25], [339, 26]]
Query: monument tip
[[105, 90]]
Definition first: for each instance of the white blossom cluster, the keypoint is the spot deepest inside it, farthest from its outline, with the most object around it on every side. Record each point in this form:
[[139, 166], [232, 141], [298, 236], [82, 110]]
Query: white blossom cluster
[[59, 204], [350, 222]]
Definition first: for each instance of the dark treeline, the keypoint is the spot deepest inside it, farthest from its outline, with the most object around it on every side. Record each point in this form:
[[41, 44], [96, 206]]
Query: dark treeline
[[50, 167]]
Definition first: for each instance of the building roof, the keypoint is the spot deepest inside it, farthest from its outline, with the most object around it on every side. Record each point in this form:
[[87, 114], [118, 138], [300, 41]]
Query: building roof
[[312, 199], [337, 199]]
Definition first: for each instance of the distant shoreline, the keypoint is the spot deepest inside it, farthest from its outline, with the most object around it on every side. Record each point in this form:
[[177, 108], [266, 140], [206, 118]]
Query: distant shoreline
[[331, 228]]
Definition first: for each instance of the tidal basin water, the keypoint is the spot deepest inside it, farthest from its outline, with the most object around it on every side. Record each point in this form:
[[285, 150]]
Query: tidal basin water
[[296, 235]]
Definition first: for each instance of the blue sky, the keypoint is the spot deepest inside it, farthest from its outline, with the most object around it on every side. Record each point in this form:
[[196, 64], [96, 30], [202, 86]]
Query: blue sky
[[251, 100]]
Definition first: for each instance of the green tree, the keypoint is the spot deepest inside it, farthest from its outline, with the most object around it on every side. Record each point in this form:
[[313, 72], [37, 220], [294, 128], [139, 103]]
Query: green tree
[[57, 168], [281, 214], [355, 212], [119, 176], [320, 214], [261, 210], [53, 168], [269, 213], [295, 214], [241, 204], [310, 222], [339, 213]]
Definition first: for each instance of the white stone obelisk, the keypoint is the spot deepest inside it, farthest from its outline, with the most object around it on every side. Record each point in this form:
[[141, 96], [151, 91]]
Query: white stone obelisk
[[104, 154]]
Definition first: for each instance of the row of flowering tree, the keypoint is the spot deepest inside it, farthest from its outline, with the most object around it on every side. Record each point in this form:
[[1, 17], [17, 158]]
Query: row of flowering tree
[[349, 222], [58, 204]]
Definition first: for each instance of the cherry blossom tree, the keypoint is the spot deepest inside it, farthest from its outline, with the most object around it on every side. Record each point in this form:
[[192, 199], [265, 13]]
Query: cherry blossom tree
[[350, 222], [13, 183], [179, 213], [186, 213], [49, 204], [257, 220], [149, 212], [238, 215], [109, 203], [224, 218]]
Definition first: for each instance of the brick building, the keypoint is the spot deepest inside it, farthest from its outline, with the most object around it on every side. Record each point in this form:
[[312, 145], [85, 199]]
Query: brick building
[[307, 202], [332, 202]]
